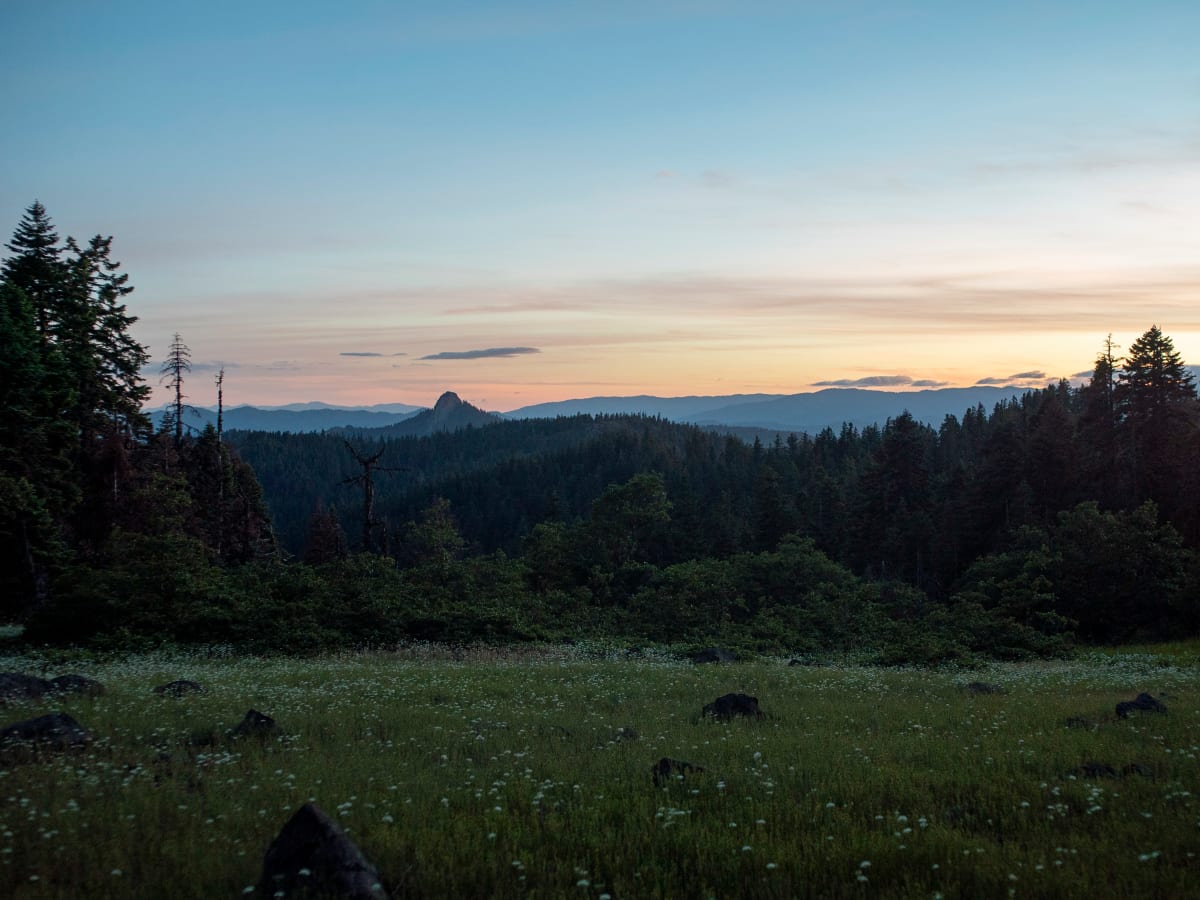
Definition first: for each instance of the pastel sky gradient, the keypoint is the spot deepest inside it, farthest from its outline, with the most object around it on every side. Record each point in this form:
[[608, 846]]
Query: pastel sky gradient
[[353, 202]]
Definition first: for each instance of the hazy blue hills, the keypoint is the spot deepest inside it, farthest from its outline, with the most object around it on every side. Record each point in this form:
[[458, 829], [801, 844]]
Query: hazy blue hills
[[807, 412], [298, 417], [677, 409]]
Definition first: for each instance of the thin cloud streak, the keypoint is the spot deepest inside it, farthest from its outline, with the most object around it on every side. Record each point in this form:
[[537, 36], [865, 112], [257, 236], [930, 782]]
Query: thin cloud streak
[[491, 353], [868, 381]]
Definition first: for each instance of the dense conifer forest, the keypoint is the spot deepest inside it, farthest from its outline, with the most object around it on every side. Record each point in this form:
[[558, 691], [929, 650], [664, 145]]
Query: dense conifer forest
[[1070, 514]]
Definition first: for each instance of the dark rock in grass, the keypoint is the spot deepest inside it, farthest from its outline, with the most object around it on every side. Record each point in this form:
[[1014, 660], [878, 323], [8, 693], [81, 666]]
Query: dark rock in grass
[[18, 686], [1135, 768], [713, 655], [626, 733], [311, 857], [666, 768], [179, 688], [1080, 722], [254, 723], [76, 684], [1143, 702], [731, 705], [976, 688], [804, 661], [204, 737], [52, 732], [1096, 770]]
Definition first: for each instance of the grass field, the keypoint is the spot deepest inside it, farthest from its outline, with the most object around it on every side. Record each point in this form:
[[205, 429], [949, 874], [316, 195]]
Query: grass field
[[528, 775]]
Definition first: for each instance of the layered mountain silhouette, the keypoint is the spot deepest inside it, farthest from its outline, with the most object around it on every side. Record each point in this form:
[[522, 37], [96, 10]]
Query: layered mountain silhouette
[[738, 413], [299, 417], [811, 412]]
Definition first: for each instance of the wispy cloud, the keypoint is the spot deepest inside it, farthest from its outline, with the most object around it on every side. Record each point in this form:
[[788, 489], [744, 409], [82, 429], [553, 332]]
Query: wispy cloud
[[522, 306], [868, 381], [490, 353], [348, 353], [1010, 379]]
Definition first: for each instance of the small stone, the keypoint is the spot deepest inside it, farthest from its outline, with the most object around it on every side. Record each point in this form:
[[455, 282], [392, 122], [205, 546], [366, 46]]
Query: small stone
[[1143, 702], [666, 767], [179, 688]]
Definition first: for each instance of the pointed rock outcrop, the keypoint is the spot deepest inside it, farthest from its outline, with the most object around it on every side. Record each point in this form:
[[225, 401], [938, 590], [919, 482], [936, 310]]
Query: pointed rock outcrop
[[312, 857]]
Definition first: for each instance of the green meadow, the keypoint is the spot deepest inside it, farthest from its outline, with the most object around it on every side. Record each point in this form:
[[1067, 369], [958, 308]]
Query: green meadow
[[527, 773]]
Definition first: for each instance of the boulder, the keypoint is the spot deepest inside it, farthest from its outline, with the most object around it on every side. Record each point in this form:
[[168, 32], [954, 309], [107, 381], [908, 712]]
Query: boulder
[[1097, 770], [51, 732], [15, 686], [805, 660], [975, 688], [1143, 702], [730, 705], [179, 688], [312, 857], [254, 723], [75, 684], [713, 655], [666, 768]]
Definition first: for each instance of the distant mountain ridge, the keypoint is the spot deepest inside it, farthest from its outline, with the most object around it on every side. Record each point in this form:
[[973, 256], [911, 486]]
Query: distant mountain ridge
[[801, 413], [808, 412], [297, 418]]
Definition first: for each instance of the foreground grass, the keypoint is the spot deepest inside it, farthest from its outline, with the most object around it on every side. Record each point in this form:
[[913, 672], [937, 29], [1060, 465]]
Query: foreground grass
[[511, 777]]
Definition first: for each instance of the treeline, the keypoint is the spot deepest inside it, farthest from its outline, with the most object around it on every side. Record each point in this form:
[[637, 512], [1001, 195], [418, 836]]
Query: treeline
[[1070, 513], [87, 488], [1072, 509]]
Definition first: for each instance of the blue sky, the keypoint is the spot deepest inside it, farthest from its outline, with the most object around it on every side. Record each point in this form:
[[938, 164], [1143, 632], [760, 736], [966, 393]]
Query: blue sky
[[672, 198]]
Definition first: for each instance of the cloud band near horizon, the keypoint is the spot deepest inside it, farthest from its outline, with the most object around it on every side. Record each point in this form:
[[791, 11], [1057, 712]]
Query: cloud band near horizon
[[490, 353]]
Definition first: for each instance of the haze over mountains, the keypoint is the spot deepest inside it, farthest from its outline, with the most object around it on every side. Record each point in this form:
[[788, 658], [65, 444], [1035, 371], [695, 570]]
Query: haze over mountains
[[804, 412]]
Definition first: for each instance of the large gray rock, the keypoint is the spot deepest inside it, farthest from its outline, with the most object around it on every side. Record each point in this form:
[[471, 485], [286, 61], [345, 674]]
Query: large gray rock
[[54, 732], [730, 705], [76, 684], [713, 655], [15, 686], [311, 857], [254, 723]]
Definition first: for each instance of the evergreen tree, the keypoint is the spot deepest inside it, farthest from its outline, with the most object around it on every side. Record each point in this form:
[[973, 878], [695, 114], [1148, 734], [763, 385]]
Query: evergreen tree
[[35, 266], [1158, 416], [1098, 428]]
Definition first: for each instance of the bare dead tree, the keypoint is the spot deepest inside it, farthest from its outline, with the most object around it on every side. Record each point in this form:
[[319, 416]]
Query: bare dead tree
[[220, 380], [177, 364], [370, 464]]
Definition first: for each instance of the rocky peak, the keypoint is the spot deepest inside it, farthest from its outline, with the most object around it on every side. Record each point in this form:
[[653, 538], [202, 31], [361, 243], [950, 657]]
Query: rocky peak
[[448, 402]]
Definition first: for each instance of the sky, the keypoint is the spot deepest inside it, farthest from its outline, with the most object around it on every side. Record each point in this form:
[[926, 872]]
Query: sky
[[375, 202]]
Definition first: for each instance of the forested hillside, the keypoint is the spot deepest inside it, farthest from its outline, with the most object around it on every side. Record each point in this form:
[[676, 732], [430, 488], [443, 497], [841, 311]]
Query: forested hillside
[[1069, 513]]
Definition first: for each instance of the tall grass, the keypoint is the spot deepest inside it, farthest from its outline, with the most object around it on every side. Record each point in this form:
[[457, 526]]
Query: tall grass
[[516, 776]]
